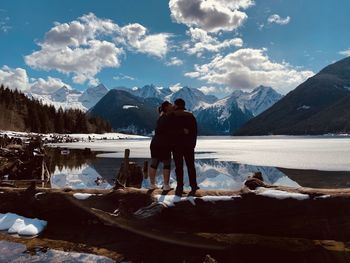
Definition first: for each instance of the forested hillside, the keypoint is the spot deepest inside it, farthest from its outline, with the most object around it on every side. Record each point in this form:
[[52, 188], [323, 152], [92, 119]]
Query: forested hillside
[[19, 113]]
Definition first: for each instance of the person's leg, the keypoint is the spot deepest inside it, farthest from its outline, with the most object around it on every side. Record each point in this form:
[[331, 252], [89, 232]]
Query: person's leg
[[152, 172], [166, 174], [179, 169], [192, 176]]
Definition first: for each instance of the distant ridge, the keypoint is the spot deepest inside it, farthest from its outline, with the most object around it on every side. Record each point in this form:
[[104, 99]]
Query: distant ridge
[[320, 105]]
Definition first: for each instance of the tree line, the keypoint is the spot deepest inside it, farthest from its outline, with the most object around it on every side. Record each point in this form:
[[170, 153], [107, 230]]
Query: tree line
[[19, 113]]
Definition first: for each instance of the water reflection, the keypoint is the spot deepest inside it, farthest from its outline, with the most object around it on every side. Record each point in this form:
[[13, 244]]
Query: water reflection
[[81, 169], [16, 252]]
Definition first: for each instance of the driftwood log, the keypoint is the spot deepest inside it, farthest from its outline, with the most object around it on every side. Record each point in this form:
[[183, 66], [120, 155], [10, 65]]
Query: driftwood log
[[325, 215]]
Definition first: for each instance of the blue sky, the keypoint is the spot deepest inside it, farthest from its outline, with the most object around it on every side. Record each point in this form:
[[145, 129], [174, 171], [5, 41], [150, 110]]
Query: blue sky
[[215, 45]]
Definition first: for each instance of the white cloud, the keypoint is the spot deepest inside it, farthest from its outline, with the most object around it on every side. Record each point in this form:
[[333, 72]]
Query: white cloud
[[83, 62], [345, 53], [210, 15], [249, 68], [174, 61], [136, 38], [4, 21], [46, 86], [176, 87], [123, 76], [18, 79], [14, 78], [201, 41], [78, 32], [215, 90], [84, 47], [276, 19]]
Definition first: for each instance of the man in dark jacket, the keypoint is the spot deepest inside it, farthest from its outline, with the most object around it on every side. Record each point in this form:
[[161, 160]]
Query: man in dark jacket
[[185, 138]]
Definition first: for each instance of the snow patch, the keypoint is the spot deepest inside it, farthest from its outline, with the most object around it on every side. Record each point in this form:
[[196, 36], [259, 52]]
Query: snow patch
[[37, 194], [322, 197], [126, 107], [278, 194], [82, 196], [304, 107], [16, 224], [171, 200]]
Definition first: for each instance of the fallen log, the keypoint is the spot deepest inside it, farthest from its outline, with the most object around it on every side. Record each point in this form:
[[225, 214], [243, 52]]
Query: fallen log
[[271, 210]]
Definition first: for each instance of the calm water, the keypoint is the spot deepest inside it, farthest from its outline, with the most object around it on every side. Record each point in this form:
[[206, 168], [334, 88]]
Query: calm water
[[222, 162]]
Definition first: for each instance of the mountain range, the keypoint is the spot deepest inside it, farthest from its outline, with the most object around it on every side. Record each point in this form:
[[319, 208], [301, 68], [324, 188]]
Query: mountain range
[[68, 98], [135, 110], [320, 105]]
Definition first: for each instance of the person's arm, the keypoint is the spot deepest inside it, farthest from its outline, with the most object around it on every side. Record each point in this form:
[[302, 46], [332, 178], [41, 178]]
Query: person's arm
[[195, 131]]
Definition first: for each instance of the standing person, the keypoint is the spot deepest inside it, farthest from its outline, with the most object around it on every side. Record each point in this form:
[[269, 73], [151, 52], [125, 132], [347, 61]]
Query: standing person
[[161, 147], [184, 127]]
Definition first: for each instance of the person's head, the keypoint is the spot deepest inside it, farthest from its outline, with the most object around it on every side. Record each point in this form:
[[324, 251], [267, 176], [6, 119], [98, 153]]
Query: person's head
[[179, 104], [164, 107]]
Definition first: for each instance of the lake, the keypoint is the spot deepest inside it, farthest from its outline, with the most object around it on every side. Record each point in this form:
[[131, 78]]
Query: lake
[[221, 162]]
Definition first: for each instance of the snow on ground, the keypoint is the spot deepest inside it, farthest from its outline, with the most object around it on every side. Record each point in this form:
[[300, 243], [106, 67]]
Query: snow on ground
[[171, 200], [15, 224], [105, 136], [272, 193], [16, 252], [80, 136], [85, 177], [82, 196]]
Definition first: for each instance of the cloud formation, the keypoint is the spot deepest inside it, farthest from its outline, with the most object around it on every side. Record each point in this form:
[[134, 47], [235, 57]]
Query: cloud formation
[[89, 44], [14, 78], [4, 21], [213, 89], [210, 15], [18, 79], [345, 53], [135, 37], [201, 41], [249, 68], [276, 19], [174, 61]]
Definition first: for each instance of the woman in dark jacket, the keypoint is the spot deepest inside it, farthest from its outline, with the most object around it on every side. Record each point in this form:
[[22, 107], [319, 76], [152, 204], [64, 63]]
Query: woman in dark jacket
[[161, 147]]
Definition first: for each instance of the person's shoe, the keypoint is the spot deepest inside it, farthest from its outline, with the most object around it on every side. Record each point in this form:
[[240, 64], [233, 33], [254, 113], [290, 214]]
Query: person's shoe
[[194, 189], [179, 191], [166, 187], [152, 187]]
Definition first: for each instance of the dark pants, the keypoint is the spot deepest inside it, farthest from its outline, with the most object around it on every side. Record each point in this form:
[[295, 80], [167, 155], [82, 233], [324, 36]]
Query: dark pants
[[179, 154]]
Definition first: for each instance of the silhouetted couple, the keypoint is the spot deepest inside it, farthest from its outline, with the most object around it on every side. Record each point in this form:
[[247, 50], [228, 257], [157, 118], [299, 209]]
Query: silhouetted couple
[[176, 133]]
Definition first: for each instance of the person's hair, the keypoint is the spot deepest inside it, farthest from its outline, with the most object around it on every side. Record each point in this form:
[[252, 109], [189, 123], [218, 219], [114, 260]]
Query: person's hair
[[180, 103], [163, 106]]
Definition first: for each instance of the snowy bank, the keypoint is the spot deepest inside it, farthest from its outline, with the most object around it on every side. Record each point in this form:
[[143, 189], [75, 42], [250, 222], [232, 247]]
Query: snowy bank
[[171, 200], [82, 196], [15, 224], [278, 194], [78, 136]]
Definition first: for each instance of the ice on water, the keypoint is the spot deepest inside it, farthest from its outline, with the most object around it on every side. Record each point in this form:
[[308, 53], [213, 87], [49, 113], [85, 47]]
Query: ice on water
[[78, 178], [15, 252]]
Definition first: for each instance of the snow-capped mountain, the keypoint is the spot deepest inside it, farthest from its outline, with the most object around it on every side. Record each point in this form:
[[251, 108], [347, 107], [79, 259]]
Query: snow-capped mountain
[[256, 101], [214, 116], [194, 98], [148, 91], [92, 95], [68, 98], [227, 115]]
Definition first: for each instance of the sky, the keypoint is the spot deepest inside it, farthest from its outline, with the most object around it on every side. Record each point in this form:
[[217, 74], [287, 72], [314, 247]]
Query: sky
[[217, 46]]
